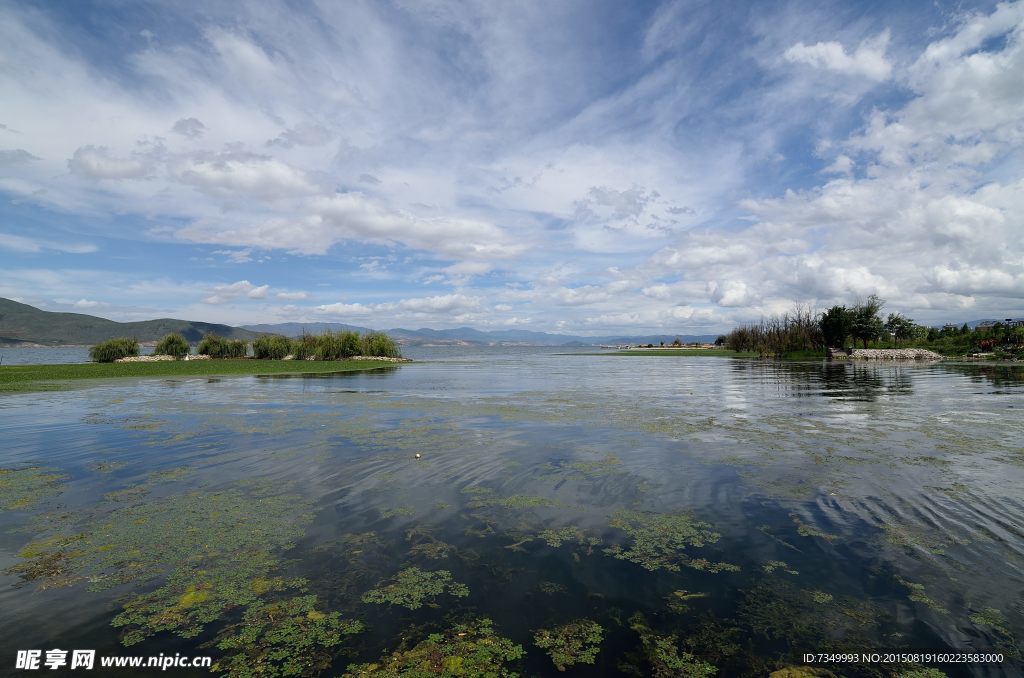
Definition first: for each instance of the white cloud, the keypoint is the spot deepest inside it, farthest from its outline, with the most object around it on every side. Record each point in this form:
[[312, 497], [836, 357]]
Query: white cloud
[[97, 162], [292, 296], [242, 288], [17, 243], [867, 61]]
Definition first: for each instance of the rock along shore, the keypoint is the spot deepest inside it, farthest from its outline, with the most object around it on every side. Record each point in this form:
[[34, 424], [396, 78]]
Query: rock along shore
[[883, 354]]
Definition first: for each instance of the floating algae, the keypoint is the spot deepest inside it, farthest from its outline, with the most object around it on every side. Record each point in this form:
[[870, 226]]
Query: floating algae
[[465, 650], [918, 595], [412, 586], [577, 642], [805, 530], [218, 548], [290, 637], [484, 497], [22, 487], [773, 565], [433, 550], [561, 535], [194, 597], [169, 475], [660, 541], [663, 657], [677, 600], [398, 512]]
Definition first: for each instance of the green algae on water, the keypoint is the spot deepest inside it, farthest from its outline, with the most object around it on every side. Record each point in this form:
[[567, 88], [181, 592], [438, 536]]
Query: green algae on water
[[290, 637], [577, 642], [21, 488], [412, 586], [217, 551], [472, 649]]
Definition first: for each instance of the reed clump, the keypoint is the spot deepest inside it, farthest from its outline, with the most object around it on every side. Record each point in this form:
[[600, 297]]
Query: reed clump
[[172, 344], [112, 349]]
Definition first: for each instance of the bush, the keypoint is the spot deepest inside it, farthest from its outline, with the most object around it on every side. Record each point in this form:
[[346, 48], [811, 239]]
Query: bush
[[216, 346], [379, 344], [271, 347], [112, 349], [172, 344], [236, 348]]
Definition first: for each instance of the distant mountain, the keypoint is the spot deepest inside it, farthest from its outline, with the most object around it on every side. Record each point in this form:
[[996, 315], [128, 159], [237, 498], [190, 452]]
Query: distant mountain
[[21, 323], [470, 335], [297, 329]]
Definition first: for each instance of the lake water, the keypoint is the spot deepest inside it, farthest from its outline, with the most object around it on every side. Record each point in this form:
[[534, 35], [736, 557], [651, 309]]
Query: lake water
[[741, 511]]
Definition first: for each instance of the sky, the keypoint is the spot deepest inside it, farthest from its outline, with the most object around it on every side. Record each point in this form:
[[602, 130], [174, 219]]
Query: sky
[[580, 167]]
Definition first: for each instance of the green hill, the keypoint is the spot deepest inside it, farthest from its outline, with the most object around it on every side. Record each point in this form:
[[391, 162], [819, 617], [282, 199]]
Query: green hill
[[21, 323]]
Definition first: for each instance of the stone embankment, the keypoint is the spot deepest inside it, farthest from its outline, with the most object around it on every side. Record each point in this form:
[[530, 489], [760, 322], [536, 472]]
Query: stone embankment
[[883, 354], [157, 358]]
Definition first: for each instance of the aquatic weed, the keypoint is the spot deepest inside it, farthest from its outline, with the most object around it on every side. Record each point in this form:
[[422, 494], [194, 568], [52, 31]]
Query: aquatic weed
[[574, 643], [289, 637], [660, 540], [663, 656], [412, 586], [20, 488], [472, 649]]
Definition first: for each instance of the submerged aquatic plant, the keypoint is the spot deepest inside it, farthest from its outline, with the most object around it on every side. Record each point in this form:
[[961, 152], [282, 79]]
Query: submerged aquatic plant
[[20, 488], [220, 549], [918, 595], [289, 637], [660, 541], [557, 537], [575, 643], [773, 565], [664, 657], [412, 586], [465, 650]]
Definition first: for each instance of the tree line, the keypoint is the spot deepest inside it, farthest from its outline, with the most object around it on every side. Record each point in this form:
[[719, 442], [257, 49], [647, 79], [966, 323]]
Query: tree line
[[326, 346], [802, 330]]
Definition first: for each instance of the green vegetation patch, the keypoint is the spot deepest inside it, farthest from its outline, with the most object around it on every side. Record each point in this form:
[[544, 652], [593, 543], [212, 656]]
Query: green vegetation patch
[[412, 586], [663, 656], [575, 643], [465, 650], [20, 488], [660, 541], [773, 565], [918, 595], [19, 378], [113, 349], [485, 497], [216, 549], [290, 637]]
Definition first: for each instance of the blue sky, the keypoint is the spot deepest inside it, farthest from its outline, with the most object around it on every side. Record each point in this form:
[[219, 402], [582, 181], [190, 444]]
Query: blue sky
[[584, 167]]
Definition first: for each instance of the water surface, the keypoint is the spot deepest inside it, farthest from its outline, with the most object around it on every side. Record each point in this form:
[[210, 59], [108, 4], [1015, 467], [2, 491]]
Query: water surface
[[829, 507]]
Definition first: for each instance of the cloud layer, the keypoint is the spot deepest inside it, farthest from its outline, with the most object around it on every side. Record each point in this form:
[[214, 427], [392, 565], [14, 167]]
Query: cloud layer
[[572, 166]]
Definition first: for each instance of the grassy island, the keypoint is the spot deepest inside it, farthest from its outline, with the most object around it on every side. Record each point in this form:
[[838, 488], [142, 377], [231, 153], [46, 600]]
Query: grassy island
[[20, 378]]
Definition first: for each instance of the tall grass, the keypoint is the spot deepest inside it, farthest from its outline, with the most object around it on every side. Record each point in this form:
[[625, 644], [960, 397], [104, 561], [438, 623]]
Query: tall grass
[[378, 344], [172, 344], [271, 347], [112, 349], [327, 346], [217, 346]]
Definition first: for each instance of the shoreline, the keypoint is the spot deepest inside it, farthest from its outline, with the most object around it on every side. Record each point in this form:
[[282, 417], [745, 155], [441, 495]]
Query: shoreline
[[57, 377]]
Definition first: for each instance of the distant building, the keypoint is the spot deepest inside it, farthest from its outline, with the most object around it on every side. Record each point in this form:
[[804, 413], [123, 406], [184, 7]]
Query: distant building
[[1014, 322]]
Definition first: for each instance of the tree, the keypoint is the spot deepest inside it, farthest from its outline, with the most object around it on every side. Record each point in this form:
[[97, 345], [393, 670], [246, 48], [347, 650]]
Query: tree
[[900, 326], [867, 324], [836, 324], [720, 341]]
